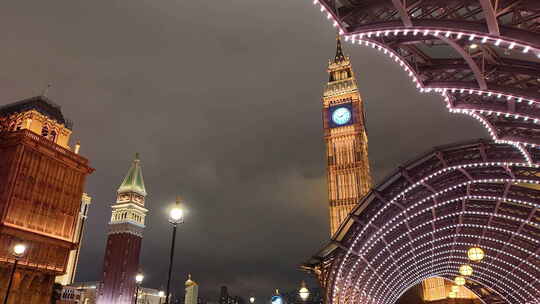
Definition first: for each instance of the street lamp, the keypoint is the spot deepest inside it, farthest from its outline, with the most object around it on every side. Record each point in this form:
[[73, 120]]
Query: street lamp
[[18, 252], [139, 277], [176, 216], [303, 292], [161, 294]]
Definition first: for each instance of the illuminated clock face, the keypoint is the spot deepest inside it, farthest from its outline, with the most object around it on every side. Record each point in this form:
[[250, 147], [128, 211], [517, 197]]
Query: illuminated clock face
[[341, 116]]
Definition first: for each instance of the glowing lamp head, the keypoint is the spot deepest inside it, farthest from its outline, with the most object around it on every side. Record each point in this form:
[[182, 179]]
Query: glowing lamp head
[[475, 254], [303, 292], [460, 281], [454, 288], [161, 294], [139, 278], [465, 270], [19, 250], [452, 295], [176, 214], [251, 300]]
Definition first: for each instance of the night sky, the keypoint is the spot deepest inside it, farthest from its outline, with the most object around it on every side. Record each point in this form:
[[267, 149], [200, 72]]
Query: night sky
[[222, 99]]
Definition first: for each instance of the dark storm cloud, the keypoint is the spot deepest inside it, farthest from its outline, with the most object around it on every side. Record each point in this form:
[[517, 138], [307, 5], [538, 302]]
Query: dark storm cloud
[[222, 100]]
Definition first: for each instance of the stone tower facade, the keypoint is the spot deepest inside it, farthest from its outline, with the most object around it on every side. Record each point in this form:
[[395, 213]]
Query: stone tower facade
[[41, 184], [121, 262], [349, 177]]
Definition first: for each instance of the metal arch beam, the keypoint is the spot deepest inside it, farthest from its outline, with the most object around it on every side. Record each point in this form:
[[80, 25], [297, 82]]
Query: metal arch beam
[[491, 17], [524, 36], [470, 61], [402, 13]]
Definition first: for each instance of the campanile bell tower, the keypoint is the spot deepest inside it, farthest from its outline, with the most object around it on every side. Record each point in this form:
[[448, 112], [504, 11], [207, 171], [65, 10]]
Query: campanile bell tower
[[121, 262], [348, 176]]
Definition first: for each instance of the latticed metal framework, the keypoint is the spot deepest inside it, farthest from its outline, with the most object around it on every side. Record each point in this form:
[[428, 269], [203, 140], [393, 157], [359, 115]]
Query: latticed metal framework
[[421, 220], [481, 55]]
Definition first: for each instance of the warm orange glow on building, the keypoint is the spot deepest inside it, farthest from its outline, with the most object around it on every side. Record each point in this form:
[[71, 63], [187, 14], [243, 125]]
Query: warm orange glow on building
[[438, 289], [349, 177], [41, 185]]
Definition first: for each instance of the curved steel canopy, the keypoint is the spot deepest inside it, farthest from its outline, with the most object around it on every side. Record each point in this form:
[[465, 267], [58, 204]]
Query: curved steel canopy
[[420, 221], [481, 55]]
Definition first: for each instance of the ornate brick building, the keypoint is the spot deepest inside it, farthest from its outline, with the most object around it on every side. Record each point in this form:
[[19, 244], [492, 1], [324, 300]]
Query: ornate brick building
[[41, 185], [349, 177], [121, 261]]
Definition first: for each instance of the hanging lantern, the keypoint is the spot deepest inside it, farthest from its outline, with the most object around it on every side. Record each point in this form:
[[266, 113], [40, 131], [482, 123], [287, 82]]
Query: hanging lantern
[[452, 295], [465, 270], [475, 254], [303, 292], [460, 281], [454, 288]]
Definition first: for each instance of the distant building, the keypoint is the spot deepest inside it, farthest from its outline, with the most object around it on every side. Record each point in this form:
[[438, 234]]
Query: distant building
[[73, 260], [316, 296], [79, 293], [225, 298], [192, 292], [86, 292], [436, 290], [224, 295]]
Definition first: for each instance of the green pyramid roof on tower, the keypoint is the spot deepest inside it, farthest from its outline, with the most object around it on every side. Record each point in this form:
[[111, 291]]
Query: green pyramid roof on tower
[[133, 182]]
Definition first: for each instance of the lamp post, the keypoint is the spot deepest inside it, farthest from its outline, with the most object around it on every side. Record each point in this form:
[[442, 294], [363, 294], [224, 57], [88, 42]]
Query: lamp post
[[18, 252], [303, 292], [138, 279], [176, 216]]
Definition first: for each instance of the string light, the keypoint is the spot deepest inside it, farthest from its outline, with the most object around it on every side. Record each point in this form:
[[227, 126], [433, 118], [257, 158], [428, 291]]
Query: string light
[[472, 112]]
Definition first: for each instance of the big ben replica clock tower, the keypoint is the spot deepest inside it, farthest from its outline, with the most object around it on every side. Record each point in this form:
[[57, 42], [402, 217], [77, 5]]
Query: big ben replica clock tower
[[349, 177]]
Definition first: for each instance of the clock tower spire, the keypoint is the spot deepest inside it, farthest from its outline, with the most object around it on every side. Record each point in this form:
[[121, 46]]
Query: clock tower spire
[[348, 172]]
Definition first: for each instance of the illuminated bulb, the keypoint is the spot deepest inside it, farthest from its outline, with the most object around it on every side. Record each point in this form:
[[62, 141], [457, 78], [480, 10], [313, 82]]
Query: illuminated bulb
[[465, 270], [452, 295], [475, 254], [473, 46], [303, 292], [19, 249], [460, 281], [454, 288], [176, 214], [139, 278], [251, 300]]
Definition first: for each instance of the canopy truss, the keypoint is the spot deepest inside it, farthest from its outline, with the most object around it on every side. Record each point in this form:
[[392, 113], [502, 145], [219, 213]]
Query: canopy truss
[[421, 220], [482, 56]]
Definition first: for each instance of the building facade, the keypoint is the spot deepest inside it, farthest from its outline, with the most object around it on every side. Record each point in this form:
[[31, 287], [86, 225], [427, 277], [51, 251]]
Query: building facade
[[192, 292], [121, 261], [71, 268], [436, 290], [226, 298], [348, 175], [86, 293], [41, 183]]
